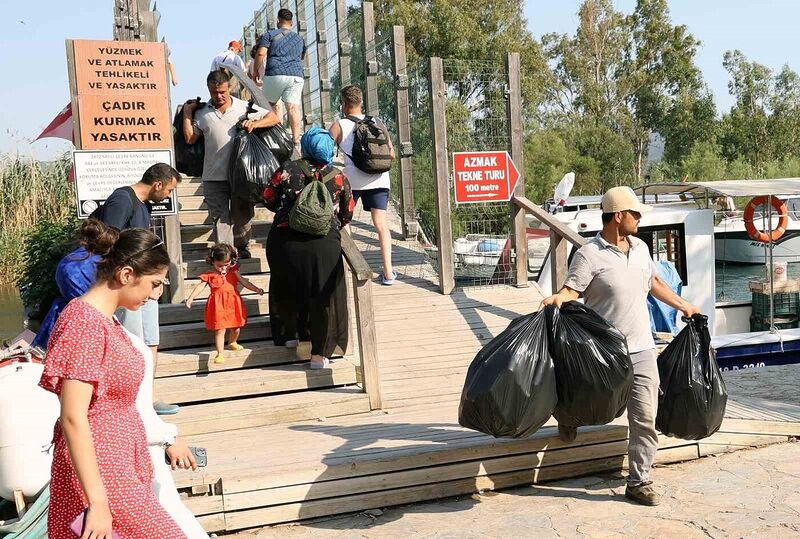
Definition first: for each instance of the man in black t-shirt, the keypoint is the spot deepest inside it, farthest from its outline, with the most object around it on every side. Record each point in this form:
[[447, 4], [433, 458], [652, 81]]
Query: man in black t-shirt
[[126, 208]]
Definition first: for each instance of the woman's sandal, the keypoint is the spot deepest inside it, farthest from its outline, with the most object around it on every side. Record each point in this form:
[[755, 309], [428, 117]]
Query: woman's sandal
[[322, 365]]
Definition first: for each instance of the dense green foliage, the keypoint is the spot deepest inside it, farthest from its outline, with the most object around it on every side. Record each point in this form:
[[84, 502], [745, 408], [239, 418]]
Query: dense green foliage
[[597, 100], [44, 246]]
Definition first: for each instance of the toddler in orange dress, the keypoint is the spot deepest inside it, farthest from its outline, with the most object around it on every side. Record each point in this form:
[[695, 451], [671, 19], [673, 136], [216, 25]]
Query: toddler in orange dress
[[225, 309]]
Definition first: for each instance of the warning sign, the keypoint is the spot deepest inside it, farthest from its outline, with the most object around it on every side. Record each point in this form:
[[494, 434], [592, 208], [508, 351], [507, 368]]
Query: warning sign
[[99, 172], [122, 95], [484, 176]]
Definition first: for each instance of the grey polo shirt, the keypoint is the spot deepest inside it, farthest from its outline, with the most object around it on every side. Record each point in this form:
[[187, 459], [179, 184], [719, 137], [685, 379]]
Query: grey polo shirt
[[218, 130], [615, 285]]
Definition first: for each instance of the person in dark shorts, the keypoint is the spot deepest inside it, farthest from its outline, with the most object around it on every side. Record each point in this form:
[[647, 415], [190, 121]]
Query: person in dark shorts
[[371, 189]]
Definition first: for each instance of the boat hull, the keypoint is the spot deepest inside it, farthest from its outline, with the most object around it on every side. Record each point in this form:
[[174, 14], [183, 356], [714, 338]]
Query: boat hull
[[737, 247]]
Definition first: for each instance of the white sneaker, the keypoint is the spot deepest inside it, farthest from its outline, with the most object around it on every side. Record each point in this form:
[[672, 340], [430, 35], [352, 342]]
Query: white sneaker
[[292, 343], [317, 366]]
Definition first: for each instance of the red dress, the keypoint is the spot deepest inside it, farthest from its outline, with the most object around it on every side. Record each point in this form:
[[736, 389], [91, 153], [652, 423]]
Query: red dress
[[224, 308], [87, 346]]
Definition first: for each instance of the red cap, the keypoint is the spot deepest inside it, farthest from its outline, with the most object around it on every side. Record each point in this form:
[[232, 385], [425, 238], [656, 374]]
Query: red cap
[[235, 46]]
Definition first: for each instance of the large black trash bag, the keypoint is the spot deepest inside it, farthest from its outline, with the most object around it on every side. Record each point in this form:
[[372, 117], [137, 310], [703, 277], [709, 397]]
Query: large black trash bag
[[692, 396], [251, 167], [278, 140], [594, 373], [510, 390], [188, 157]]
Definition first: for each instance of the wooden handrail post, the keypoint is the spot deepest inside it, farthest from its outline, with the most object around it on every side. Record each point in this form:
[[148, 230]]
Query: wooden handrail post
[[344, 42], [516, 137], [302, 30], [558, 261], [403, 118], [326, 118], [370, 60], [365, 320], [441, 175]]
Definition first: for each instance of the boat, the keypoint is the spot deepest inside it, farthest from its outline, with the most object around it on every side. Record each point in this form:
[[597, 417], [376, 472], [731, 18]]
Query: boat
[[733, 243], [681, 230]]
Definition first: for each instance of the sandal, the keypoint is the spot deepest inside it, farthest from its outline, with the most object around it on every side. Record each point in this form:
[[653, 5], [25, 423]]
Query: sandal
[[235, 346], [219, 359], [313, 365]]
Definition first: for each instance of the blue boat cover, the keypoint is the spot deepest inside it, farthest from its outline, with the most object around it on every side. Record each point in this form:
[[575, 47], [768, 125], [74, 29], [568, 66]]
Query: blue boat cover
[[75, 274], [662, 316]]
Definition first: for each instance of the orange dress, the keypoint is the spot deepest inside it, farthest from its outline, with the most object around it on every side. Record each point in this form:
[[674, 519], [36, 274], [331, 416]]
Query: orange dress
[[225, 308]]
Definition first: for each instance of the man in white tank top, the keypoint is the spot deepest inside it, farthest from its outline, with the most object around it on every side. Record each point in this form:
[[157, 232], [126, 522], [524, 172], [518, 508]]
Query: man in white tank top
[[371, 189]]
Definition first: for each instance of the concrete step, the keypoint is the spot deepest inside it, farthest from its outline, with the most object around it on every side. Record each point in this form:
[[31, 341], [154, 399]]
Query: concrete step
[[260, 280], [211, 386], [270, 410], [204, 232], [195, 333], [200, 216], [170, 314], [197, 360], [248, 266]]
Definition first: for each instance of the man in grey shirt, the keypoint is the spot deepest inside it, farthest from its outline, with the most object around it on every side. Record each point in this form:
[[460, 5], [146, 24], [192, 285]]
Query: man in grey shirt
[[614, 272], [217, 123]]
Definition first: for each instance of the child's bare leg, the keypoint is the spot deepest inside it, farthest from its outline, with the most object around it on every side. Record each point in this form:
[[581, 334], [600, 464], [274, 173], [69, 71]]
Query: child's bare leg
[[219, 340], [233, 337]]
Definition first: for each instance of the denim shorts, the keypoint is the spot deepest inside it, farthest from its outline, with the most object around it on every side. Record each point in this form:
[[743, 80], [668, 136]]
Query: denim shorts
[[283, 87], [373, 199], [143, 323]]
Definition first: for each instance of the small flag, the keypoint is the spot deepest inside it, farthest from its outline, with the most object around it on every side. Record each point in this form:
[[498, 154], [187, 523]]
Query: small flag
[[61, 126]]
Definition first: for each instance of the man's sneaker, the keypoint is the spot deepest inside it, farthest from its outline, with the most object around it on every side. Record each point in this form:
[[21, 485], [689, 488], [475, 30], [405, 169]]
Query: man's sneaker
[[244, 253], [162, 408], [643, 494], [567, 434]]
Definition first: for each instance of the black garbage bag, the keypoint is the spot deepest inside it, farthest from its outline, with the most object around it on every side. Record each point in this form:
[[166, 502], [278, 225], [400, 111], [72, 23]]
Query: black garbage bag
[[278, 140], [692, 395], [251, 166], [594, 373], [510, 390], [188, 157]]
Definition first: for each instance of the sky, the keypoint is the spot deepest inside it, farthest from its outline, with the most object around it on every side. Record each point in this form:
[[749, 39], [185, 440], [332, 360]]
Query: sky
[[35, 88]]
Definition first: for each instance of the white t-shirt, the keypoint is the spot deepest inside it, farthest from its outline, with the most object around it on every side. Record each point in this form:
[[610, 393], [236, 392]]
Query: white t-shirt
[[218, 130], [359, 180], [227, 57]]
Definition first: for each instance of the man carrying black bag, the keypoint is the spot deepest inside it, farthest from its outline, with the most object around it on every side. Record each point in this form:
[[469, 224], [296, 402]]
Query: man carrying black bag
[[217, 122], [614, 272]]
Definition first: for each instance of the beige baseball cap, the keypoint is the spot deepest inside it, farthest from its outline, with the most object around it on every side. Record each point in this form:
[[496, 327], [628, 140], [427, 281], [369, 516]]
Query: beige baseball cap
[[622, 198]]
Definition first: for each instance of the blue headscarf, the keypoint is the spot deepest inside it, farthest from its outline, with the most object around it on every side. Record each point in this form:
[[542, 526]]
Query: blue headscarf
[[317, 145]]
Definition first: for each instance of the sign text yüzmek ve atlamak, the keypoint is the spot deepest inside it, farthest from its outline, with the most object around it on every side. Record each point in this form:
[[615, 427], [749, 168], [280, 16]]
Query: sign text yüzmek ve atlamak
[[121, 94]]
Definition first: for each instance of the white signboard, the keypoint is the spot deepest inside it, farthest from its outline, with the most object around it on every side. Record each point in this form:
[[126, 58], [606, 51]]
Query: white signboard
[[99, 172]]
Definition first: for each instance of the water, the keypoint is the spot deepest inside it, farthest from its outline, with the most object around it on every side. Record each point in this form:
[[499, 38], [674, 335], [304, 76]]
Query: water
[[732, 279], [12, 315]]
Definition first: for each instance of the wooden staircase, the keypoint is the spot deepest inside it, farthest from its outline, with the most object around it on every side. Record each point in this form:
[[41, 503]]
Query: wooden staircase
[[261, 385]]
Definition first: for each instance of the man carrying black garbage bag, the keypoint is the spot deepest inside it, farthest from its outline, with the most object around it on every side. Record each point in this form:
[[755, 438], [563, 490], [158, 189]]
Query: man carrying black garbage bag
[[614, 272]]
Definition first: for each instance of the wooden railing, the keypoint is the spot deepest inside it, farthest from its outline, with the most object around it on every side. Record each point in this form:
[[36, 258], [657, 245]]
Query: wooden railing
[[365, 320], [560, 234]]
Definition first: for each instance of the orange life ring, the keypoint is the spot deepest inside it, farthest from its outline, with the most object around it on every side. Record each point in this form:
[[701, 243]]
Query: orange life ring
[[758, 235]]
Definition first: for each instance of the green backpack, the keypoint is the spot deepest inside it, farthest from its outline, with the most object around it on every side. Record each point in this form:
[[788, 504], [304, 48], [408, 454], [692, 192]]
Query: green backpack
[[313, 208]]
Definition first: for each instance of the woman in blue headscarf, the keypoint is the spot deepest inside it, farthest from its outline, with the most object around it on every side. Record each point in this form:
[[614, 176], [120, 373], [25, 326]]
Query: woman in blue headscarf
[[307, 273], [76, 272]]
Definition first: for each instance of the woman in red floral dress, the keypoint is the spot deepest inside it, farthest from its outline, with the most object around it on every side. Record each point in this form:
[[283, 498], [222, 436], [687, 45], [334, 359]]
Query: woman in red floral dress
[[100, 460]]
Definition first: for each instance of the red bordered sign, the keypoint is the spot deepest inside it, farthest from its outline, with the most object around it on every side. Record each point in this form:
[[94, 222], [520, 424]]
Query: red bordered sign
[[484, 177]]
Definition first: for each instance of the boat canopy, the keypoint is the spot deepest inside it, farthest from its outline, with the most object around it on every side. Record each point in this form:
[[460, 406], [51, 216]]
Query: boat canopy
[[724, 188]]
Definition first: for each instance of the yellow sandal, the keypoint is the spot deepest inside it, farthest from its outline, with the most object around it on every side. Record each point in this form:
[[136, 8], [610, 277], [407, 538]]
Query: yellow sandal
[[219, 359], [235, 346]]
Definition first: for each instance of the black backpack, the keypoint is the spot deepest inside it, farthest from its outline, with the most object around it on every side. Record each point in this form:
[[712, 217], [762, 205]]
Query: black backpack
[[371, 149], [99, 212]]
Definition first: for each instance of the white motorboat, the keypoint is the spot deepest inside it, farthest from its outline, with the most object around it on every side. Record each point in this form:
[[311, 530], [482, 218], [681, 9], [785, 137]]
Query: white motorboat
[[734, 244]]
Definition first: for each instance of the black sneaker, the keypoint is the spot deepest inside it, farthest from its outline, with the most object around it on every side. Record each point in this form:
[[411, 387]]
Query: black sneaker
[[244, 254], [567, 434], [643, 494]]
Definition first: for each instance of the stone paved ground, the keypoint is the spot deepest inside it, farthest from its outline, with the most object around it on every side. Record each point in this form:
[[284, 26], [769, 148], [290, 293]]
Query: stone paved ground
[[750, 493]]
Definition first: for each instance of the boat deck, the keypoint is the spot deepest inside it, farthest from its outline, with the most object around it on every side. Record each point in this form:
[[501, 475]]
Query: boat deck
[[414, 449]]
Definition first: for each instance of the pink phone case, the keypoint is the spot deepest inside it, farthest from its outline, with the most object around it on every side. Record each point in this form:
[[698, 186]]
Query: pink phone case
[[77, 526]]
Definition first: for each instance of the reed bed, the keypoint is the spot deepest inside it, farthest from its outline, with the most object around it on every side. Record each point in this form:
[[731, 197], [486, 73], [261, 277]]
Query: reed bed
[[30, 192]]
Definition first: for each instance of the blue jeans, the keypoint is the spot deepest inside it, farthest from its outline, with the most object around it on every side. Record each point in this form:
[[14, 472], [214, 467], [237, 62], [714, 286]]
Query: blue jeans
[[143, 322]]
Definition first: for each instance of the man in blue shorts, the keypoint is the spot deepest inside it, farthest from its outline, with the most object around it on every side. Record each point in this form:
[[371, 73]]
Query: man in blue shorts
[[371, 189], [126, 208], [283, 51]]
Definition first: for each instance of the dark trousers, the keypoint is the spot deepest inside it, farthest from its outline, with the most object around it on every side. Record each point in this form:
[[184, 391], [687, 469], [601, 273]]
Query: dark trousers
[[313, 317]]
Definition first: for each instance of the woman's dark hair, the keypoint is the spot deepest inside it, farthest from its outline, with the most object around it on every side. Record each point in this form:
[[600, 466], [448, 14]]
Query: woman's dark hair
[[97, 237], [138, 248], [221, 252]]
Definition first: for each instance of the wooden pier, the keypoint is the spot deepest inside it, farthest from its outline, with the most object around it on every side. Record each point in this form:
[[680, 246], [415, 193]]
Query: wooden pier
[[286, 443]]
